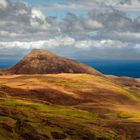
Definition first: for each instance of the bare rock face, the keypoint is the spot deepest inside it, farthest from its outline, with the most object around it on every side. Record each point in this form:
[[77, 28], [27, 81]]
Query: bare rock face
[[45, 62]]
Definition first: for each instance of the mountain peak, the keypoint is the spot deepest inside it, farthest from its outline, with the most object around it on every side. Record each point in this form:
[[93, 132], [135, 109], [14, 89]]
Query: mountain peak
[[40, 52], [45, 62]]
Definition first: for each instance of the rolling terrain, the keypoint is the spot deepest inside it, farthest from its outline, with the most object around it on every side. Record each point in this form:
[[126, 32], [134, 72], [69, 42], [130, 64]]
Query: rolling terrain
[[57, 106], [66, 101]]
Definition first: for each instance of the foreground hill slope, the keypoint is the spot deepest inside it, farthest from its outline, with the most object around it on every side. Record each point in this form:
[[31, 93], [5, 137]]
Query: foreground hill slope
[[45, 62], [57, 106]]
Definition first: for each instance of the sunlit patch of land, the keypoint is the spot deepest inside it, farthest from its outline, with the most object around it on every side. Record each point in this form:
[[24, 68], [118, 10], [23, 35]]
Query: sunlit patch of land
[[69, 107]]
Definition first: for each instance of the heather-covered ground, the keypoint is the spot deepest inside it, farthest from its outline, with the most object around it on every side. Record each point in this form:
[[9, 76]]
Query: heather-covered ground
[[69, 107]]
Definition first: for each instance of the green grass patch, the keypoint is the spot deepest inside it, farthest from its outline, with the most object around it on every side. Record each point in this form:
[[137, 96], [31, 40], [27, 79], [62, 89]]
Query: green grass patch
[[30, 109]]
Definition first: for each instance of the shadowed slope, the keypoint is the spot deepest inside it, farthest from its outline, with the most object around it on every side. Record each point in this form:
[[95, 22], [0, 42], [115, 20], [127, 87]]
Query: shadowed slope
[[45, 62]]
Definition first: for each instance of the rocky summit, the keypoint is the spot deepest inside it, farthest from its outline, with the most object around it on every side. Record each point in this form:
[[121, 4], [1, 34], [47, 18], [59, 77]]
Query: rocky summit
[[45, 62]]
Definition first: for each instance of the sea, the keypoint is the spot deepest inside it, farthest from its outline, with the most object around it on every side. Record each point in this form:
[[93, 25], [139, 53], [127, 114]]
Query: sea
[[108, 67], [130, 68]]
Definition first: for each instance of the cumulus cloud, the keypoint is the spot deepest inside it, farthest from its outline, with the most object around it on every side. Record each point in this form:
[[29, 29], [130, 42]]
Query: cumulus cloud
[[106, 30], [3, 4], [89, 49], [19, 20]]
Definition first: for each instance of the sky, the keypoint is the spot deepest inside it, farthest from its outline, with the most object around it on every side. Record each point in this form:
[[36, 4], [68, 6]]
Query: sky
[[79, 29]]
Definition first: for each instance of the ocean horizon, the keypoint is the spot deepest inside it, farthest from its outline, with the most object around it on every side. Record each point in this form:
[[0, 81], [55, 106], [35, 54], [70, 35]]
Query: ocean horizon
[[108, 67], [116, 67]]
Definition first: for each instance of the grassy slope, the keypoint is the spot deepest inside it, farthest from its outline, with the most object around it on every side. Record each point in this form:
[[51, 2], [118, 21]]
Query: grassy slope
[[31, 106], [46, 119]]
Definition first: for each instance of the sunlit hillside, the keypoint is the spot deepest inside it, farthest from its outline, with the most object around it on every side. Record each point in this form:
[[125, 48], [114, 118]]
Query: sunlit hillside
[[68, 107]]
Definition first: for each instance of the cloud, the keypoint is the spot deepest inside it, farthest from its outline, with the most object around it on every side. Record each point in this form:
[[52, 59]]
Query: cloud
[[3, 4], [24, 45], [78, 49], [112, 19], [105, 30], [122, 36], [123, 5], [22, 20], [93, 24]]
